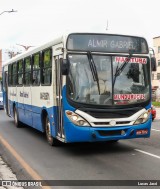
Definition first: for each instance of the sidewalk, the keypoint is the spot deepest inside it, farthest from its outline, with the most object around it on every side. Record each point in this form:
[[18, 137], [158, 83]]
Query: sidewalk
[[7, 174], [157, 113]]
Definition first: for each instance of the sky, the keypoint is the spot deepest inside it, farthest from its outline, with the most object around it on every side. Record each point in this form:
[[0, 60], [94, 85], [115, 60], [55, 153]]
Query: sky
[[38, 21]]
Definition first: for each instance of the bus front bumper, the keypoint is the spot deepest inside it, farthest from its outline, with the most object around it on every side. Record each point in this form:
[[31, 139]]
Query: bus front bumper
[[94, 134]]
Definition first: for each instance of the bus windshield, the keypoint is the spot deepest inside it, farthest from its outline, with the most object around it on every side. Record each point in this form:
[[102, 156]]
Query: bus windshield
[[131, 85]]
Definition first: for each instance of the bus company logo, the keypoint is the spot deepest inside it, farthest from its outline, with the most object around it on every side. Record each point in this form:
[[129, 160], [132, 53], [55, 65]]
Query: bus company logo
[[24, 94], [132, 60], [6, 183], [44, 96], [16, 183], [129, 96]]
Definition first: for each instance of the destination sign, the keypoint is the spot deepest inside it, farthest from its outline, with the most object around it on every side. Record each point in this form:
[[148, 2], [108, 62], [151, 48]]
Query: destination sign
[[107, 43]]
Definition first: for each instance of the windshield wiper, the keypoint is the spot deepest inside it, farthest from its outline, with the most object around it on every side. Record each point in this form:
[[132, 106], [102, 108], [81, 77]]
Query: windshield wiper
[[93, 70], [123, 65]]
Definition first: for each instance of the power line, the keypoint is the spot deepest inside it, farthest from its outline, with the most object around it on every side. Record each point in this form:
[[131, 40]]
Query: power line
[[8, 11]]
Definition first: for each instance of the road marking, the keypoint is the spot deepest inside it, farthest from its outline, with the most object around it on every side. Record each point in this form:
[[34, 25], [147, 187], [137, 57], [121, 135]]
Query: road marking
[[155, 130], [153, 155], [29, 170]]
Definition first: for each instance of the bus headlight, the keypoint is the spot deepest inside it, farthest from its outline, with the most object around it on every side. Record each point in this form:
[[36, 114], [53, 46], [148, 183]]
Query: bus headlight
[[76, 119], [143, 118]]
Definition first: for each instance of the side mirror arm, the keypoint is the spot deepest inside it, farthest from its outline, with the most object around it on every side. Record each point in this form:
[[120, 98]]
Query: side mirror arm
[[64, 67]]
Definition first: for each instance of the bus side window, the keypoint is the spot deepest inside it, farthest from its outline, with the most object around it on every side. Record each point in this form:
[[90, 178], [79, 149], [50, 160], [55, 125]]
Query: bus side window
[[14, 74], [27, 71], [20, 72], [36, 69], [46, 78], [10, 75]]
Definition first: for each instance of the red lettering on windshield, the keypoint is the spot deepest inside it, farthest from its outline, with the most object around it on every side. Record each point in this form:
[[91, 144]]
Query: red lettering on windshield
[[132, 60], [129, 96]]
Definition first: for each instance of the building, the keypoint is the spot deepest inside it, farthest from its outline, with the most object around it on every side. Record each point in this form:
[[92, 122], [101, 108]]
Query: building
[[0, 63], [156, 75]]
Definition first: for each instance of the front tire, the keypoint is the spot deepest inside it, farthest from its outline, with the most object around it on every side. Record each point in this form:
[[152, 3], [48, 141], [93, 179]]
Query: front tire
[[50, 139], [113, 141]]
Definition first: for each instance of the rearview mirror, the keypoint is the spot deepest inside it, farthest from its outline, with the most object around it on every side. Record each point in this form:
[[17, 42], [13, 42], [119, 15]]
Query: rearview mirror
[[153, 64], [64, 67]]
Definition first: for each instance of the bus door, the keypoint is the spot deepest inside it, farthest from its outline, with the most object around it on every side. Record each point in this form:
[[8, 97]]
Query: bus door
[[27, 100], [6, 96], [59, 104], [27, 93]]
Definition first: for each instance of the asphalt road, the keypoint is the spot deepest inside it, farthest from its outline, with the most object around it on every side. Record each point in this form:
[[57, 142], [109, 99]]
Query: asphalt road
[[137, 159]]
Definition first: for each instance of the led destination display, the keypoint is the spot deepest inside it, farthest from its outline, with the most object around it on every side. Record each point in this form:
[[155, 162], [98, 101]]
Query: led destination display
[[107, 43]]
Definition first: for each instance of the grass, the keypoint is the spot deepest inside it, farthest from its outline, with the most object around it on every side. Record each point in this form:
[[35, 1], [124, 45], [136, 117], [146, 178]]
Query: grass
[[157, 104]]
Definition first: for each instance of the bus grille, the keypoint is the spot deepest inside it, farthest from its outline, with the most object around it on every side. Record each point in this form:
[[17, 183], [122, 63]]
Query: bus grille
[[115, 113], [112, 133], [108, 123]]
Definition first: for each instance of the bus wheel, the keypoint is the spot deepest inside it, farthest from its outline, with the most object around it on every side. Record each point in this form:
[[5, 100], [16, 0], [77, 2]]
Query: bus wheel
[[51, 140], [16, 118]]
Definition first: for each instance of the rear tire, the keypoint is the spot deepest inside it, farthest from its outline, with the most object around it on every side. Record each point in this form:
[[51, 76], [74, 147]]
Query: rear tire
[[50, 139], [16, 118]]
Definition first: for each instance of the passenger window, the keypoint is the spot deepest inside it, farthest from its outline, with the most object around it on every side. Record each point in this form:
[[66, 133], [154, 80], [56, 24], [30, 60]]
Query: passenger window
[[47, 67], [20, 72], [10, 75], [27, 71], [36, 69], [14, 74]]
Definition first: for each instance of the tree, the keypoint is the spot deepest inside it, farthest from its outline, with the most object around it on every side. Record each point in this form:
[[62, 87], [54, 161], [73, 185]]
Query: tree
[[13, 51]]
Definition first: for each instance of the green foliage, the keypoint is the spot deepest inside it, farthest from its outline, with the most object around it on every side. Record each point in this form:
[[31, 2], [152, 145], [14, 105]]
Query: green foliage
[[47, 58], [157, 104]]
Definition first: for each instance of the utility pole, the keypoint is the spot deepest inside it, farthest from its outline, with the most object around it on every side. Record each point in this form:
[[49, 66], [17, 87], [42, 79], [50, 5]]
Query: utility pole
[[107, 26]]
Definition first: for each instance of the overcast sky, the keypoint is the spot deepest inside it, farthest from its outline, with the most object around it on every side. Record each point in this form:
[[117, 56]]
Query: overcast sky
[[37, 21]]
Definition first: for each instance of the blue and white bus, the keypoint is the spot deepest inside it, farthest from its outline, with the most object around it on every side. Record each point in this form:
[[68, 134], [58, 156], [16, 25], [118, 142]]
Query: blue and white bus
[[82, 87]]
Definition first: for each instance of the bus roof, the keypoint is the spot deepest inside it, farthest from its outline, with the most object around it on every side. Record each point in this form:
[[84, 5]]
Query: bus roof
[[34, 50], [54, 42]]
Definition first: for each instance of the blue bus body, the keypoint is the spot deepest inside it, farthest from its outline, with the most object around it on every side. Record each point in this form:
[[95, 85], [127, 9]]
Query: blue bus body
[[34, 104]]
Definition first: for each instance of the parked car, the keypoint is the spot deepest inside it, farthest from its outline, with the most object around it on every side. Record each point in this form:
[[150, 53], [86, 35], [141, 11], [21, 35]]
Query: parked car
[[1, 100], [153, 112]]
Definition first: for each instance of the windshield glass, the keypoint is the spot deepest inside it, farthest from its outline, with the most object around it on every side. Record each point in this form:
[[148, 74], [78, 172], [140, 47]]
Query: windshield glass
[[131, 85]]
